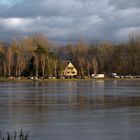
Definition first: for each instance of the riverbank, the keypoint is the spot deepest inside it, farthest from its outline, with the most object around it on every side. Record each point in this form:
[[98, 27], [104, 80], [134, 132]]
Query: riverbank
[[72, 79]]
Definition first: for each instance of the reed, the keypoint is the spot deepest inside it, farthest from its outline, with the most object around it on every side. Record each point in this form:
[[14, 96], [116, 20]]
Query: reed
[[15, 135]]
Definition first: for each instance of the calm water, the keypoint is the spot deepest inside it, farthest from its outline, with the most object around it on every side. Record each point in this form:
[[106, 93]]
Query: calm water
[[83, 110]]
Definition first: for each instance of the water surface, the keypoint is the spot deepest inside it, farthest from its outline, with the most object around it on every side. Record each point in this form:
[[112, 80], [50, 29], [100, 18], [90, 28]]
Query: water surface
[[72, 110]]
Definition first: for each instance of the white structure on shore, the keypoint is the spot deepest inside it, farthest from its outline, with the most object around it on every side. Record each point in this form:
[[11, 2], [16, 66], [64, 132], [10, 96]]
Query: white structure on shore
[[98, 76]]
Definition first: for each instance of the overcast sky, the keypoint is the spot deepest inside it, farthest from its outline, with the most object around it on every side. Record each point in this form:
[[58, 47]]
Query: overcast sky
[[70, 20]]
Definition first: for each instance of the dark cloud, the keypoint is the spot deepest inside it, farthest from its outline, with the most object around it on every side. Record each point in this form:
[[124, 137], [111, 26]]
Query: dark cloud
[[71, 20], [46, 8], [125, 4]]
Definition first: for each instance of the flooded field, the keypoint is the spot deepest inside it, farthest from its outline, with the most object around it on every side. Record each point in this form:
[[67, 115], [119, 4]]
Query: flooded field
[[72, 110]]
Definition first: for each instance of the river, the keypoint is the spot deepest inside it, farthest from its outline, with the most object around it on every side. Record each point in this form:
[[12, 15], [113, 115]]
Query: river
[[72, 110]]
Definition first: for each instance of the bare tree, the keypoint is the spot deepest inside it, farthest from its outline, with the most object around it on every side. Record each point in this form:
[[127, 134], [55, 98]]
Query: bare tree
[[81, 62], [9, 57], [95, 65], [3, 61]]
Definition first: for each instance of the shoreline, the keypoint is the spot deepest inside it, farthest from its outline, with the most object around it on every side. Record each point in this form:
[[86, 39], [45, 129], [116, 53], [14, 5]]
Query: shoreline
[[66, 80]]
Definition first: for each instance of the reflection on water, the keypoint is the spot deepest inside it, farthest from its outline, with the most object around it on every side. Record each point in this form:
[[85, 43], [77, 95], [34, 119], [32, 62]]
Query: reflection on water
[[74, 110]]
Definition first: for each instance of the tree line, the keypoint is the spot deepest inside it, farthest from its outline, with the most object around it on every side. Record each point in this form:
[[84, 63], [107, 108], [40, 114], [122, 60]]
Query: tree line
[[36, 56]]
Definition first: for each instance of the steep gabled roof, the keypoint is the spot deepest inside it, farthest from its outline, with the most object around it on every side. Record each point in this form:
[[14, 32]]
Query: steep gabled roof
[[70, 65]]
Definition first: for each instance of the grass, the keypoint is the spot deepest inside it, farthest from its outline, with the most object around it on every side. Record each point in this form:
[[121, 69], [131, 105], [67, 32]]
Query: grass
[[15, 136]]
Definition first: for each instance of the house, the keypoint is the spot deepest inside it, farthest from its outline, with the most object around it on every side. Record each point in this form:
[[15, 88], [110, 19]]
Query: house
[[70, 70]]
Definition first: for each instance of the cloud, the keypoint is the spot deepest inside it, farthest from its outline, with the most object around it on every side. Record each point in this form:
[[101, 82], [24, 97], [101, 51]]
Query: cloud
[[125, 31], [71, 20], [46, 8], [125, 4]]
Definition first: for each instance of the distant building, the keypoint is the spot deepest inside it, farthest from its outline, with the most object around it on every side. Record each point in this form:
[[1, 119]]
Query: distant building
[[98, 76], [70, 70]]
